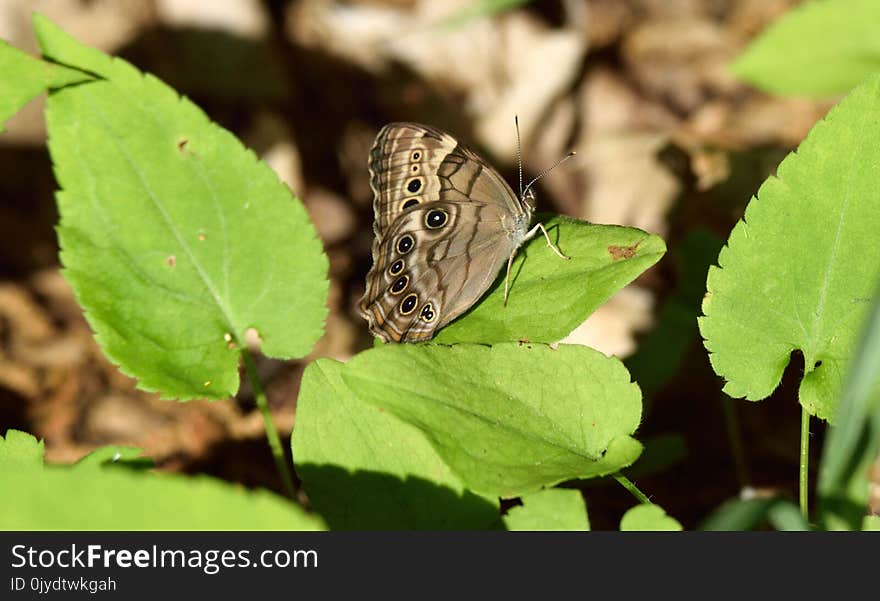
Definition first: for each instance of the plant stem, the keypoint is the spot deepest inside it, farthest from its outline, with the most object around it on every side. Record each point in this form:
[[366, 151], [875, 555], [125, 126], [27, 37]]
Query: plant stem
[[805, 462], [268, 424], [627, 484], [734, 437]]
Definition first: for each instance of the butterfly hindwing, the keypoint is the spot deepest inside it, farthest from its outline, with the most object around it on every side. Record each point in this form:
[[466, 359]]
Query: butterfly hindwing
[[423, 277]]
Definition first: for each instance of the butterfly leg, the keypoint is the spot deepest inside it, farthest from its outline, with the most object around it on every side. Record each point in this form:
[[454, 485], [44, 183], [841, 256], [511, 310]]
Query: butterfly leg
[[507, 276], [540, 227]]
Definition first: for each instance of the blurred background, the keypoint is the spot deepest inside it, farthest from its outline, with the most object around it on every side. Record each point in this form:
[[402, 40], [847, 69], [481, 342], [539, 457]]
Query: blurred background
[[666, 139]]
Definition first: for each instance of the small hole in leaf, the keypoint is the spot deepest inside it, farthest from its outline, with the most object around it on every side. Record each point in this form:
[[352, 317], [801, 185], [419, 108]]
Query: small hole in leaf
[[171, 261], [818, 364]]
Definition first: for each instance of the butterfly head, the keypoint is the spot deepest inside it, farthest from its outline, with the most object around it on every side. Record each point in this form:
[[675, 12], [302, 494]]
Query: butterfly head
[[528, 201]]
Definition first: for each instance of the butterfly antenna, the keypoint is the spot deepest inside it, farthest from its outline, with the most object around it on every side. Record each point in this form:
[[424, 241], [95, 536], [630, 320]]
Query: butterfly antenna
[[546, 171], [518, 154]]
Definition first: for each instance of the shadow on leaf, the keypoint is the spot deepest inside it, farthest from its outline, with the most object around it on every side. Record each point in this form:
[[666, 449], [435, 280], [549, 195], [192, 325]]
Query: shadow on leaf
[[377, 501]]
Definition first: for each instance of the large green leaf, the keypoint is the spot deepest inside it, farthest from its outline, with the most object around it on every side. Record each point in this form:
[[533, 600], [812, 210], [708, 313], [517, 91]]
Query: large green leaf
[[551, 509], [365, 469], [23, 77], [174, 237], [798, 273], [85, 497], [549, 296], [648, 518], [512, 418], [822, 48]]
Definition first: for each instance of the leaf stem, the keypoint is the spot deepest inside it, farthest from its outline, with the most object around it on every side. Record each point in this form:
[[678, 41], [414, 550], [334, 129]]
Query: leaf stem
[[734, 438], [627, 484], [268, 424], [805, 462]]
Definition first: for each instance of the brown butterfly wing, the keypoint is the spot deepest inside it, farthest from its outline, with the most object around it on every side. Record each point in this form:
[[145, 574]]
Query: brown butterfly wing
[[416, 170], [411, 164], [416, 288]]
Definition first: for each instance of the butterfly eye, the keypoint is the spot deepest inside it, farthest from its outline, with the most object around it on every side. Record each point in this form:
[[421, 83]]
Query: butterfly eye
[[436, 219], [405, 244], [396, 267], [414, 185], [427, 314], [410, 202], [399, 285], [408, 304]]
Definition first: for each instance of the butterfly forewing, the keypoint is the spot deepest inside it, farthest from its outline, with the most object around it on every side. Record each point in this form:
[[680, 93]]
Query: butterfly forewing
[[445, 223]]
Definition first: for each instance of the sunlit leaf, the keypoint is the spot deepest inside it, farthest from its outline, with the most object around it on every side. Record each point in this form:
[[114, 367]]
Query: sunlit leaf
[[648, 518], [799, 272], [852, 444], [821, 48], [508, 419], [363, 468], [114, 498], [549, 296], [174, 237], [23, 77], [551, 509]]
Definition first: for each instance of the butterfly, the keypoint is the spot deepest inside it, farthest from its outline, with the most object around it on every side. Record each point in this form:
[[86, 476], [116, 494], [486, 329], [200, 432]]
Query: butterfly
[[445, 223]]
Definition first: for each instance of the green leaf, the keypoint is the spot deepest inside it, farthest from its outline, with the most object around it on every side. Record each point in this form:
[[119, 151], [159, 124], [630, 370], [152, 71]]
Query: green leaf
[[114, 455], [549, 297], [479, 9], [819, 49], [852, 444], [20, 450], [739, 514], [798, 273], [175, 238], [648, 518], [365, 469], [22, 78], [77, 498], [509, 419], [785, 516], [551, 509], [871, 523]]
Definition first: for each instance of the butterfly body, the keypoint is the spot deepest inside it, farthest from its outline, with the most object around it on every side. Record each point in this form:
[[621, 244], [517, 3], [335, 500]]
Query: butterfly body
[[445, 223]]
